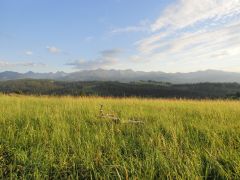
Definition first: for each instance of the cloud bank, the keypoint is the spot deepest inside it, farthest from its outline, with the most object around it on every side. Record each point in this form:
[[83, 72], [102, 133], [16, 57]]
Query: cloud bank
[[198, 34]]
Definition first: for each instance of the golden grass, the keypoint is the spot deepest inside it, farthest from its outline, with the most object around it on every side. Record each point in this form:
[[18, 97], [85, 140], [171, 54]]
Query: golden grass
[[63, 137]]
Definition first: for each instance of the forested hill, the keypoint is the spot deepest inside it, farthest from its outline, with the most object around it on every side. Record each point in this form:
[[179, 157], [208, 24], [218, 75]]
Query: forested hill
[[117, 89]]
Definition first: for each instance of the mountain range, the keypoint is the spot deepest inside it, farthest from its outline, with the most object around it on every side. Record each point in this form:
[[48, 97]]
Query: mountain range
[[128, 76]]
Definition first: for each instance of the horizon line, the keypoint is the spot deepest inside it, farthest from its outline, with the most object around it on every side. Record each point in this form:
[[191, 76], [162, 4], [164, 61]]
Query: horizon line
[[226, 71]]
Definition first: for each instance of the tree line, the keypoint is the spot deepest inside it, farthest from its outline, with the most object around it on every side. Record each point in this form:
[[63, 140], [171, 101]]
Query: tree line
[[149, 89]]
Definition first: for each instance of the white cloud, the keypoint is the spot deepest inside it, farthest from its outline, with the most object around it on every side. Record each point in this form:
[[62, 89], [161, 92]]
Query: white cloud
[[148, 44], [53, 49], [189, 12], [205, 42], [89, 39], [129, 29], [28, 53], [143, 26]]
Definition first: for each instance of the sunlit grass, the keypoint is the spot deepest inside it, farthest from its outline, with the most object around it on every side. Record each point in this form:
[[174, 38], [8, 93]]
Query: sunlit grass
[[51, 137]]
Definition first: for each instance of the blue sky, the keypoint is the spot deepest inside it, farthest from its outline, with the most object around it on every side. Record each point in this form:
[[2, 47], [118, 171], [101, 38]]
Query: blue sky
[[147, 35]]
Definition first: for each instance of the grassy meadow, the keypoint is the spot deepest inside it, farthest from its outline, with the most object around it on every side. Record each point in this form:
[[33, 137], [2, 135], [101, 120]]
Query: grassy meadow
[[64, 138]]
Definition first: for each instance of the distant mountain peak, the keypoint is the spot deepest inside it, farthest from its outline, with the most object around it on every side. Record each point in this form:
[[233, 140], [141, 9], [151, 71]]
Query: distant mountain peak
[[128, 75]]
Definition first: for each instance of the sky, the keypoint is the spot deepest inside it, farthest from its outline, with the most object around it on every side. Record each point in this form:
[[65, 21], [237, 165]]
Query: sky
[[142, 35]]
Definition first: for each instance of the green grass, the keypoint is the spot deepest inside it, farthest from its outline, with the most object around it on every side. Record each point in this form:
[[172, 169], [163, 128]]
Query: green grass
[[52, 138]]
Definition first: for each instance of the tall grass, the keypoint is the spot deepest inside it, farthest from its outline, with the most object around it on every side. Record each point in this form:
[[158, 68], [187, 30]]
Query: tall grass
[[53, 138]]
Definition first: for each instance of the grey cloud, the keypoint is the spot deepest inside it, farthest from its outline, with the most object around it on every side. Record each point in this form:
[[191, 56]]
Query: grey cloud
[[111, 52], [106, 59], [98, 63], [20, 64]]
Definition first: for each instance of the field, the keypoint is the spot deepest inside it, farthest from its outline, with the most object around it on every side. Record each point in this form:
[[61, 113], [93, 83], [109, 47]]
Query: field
[[64, 137]]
